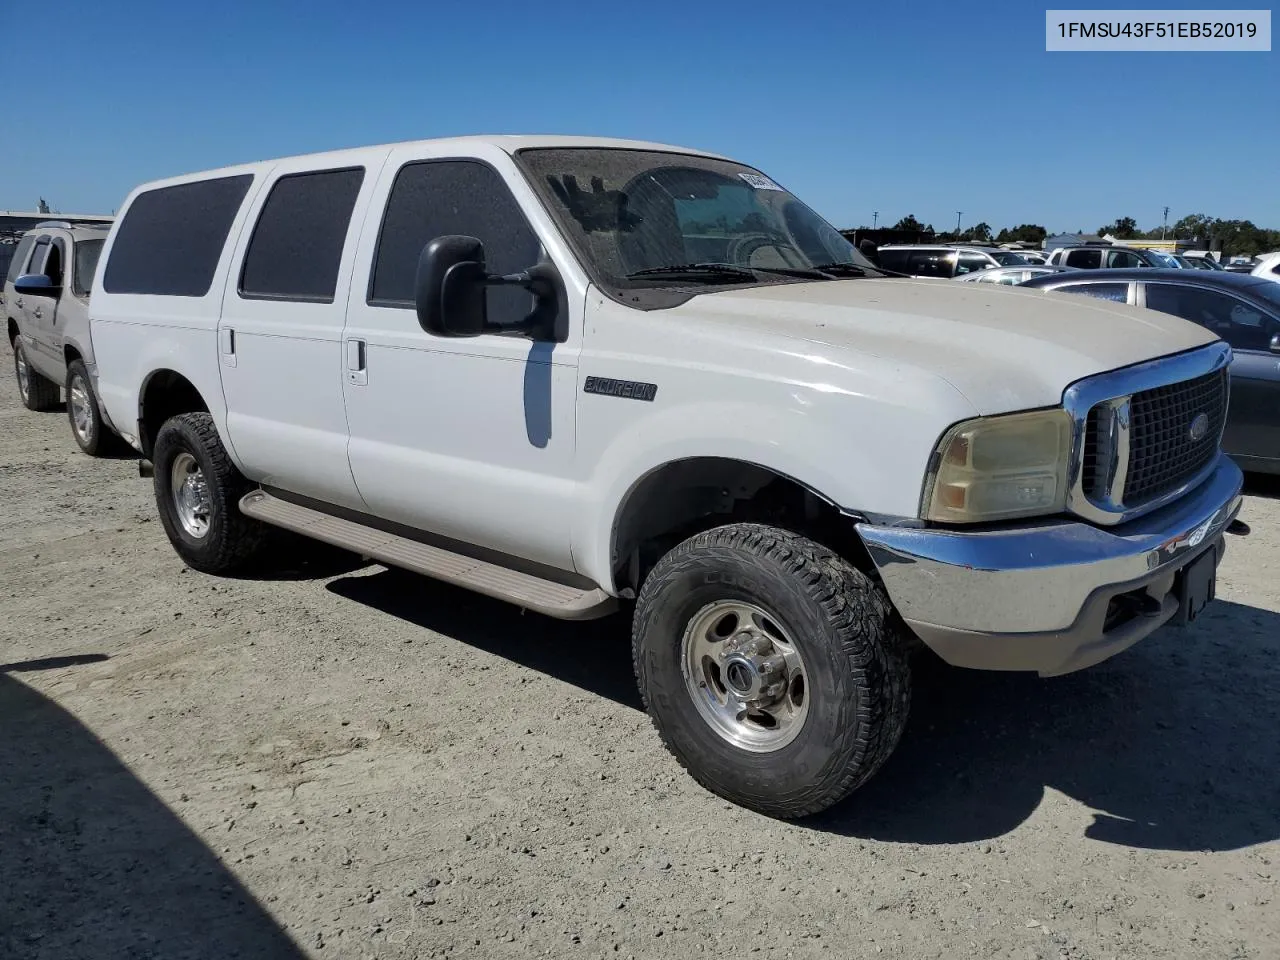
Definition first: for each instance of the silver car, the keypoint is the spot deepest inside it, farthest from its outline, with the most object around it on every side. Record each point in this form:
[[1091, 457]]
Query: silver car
[[46, 308], [1011, 276]]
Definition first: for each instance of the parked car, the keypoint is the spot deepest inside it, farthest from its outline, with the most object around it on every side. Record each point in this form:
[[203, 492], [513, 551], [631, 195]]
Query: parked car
[[46, 304], [1032, 256], [1202, 259], [1240, 265], [1010, 276], [1242, 310], [576, 374], [943, 261], [1267, 267], [1106, 256]]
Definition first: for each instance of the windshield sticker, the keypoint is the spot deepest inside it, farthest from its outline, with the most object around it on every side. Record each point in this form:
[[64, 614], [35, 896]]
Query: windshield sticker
[[759, 181]]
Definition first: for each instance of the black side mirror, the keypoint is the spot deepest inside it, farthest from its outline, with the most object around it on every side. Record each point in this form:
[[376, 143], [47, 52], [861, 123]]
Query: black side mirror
[[36, 284], [449, 293]]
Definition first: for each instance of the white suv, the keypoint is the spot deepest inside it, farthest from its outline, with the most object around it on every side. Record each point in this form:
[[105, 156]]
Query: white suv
[[578, 373]]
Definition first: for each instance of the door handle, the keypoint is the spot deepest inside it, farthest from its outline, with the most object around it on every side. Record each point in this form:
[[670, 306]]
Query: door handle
[[18, 302], [357, 363], [227, 345], [39, 313]]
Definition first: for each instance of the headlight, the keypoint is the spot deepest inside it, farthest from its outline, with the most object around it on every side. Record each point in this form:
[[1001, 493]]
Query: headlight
[[996, 468]]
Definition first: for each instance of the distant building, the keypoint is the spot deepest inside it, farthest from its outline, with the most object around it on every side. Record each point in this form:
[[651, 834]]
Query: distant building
[[12, 221]]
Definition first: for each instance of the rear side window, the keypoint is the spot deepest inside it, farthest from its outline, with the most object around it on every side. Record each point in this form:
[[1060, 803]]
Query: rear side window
[[20, 257], [436, 198], [170, 239], [971, 263], [1085, 259], [1119, 292], [1124, 258], [87, 252], [298, 240]]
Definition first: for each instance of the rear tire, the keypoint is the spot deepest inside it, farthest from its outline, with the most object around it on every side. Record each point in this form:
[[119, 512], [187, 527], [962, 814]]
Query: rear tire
[[198, 491], [38, 392], [784, 596], [91, 432]]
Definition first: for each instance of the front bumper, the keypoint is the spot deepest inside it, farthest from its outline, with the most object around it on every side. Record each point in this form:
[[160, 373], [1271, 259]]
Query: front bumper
[[1050, 597]]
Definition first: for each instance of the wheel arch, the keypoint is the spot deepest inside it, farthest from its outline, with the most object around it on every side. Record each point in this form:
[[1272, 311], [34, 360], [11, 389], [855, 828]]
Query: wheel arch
[[682, 497], [165, 393]]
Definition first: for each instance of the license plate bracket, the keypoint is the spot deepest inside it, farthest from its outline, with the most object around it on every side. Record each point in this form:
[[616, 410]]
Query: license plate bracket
[[1196, 586]]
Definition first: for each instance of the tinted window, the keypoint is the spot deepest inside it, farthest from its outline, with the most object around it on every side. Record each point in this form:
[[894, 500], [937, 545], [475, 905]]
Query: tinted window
[[1085, 259], [971, 263], [299, 237], [922, 263], [87, 252], [1007, 258], [170, 239], [1119, 292], [36, 264], [53, 262], [1241, 324], [1124, 259], [438, 198], [20, 257]]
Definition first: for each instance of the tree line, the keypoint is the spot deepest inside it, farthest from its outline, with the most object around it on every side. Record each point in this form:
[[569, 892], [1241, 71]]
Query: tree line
[[1232, 237]]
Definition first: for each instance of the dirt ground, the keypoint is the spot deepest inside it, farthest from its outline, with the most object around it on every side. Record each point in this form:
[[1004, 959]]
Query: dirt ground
[[342, 761]]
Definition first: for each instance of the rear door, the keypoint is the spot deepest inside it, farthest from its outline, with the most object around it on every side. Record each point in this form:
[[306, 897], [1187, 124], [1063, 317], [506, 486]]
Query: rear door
[[1253, 415], [280, 331]]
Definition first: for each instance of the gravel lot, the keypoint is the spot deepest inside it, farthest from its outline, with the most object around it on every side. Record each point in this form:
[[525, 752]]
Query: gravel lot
[[340, 760]]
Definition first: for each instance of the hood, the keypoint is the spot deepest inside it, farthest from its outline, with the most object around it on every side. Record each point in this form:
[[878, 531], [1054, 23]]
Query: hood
[[1004, 349]]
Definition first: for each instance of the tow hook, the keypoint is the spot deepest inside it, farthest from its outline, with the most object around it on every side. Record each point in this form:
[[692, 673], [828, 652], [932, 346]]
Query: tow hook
[[1238, 528], [146, 468]]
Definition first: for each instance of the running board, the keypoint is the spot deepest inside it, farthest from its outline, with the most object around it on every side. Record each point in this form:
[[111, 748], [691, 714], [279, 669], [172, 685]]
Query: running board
[[526, 590]]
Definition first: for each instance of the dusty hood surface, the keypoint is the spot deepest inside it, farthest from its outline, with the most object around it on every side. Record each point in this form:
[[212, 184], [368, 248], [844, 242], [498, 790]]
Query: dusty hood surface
[[1003, 348]]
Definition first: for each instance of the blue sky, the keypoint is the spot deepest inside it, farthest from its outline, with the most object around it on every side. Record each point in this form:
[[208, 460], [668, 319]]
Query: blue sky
[[923, 108]]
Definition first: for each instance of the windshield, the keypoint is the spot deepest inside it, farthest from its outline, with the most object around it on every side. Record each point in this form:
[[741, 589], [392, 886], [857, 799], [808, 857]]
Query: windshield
[[1162, 258], [1007, 258], [87, 252], [645, 220]]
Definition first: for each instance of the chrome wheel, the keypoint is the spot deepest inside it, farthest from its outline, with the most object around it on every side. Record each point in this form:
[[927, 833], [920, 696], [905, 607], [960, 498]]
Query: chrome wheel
[[24, 371], [81, 410], [745, 676], [190, 492]]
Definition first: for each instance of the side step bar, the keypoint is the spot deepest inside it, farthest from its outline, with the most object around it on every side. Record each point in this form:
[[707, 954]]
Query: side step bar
[[526, 590]]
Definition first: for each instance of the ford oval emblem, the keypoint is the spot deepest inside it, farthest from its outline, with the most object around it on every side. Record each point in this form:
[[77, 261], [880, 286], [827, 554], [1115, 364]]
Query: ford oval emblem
[[1199, 426]]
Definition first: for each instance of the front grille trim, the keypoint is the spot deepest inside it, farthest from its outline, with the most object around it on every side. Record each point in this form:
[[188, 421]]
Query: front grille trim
[[1108, 482]]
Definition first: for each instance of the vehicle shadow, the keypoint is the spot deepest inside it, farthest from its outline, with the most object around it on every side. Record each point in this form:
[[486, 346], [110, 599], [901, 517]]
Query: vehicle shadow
[[94, 865], [1172, 743], [594, 655]]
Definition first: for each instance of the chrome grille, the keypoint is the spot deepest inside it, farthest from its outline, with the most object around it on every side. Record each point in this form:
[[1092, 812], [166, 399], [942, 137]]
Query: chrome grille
[[1162, 453], [1133, 426]]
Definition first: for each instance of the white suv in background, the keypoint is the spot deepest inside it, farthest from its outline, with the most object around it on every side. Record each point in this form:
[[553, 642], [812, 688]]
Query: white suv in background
[[46, 307]]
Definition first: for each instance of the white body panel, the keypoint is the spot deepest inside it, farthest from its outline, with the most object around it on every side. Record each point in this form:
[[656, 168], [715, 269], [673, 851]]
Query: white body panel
[[281, 364], [843, 386]]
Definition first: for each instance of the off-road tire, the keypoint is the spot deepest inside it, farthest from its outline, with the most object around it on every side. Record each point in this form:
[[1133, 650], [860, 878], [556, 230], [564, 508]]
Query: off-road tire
[[852, 643], [42, 393], [101, 441], [233, 540]]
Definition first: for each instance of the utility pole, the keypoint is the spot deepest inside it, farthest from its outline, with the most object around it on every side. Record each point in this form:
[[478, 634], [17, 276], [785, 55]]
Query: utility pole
[[958, 213], [875, 216], [1165, 226]]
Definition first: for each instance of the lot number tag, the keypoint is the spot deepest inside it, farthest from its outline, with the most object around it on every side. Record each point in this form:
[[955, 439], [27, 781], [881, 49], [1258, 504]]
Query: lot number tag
[[759, 181]]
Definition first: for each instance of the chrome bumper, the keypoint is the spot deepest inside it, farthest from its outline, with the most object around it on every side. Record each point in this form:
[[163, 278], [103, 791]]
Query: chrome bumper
[[1039, 597]]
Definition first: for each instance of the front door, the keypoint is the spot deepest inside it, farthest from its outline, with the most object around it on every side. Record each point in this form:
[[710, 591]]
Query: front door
[[466, 438], [280, 332]]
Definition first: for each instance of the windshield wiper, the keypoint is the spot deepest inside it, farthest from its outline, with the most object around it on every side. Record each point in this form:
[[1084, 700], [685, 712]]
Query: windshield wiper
[[709, 272], [841, 269]]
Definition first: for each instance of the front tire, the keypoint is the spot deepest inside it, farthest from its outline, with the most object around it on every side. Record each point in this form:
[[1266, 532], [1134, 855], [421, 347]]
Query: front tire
[[774, 671], [91, 432], [198, 491], [37, 392]]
